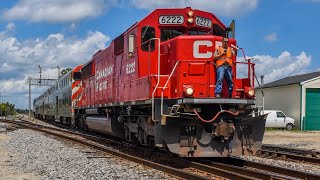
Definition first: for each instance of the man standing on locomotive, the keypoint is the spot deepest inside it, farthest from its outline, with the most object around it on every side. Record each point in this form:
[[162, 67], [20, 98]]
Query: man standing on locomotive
[[224, 65]]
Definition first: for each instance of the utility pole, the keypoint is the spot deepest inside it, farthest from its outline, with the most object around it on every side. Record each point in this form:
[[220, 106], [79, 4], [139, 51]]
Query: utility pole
[[40, 74], [1, 104], [30, 96], [58, 71], [262, 84]]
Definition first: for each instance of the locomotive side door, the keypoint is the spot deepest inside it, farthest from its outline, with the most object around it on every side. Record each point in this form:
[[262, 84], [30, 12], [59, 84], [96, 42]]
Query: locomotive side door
[[148, 58]]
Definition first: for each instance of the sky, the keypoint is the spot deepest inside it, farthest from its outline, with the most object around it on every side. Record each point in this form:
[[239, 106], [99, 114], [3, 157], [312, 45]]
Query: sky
[[280, 36]]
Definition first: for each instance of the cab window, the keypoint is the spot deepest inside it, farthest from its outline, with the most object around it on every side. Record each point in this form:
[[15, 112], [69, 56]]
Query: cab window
[[280, 114], [147, 33], [77, 76], [218, 31], [198, 32], [167, 34]]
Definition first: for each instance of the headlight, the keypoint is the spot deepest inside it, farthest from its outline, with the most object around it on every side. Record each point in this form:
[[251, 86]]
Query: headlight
[[251, 93], [189, 91], [190, 13], [190, 20]]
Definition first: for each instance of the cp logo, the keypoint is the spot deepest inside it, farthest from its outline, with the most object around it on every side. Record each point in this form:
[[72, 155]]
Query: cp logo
[[196, 49]]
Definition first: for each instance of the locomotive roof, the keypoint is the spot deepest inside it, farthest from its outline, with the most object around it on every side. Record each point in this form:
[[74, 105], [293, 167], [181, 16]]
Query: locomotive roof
[[154, 12]]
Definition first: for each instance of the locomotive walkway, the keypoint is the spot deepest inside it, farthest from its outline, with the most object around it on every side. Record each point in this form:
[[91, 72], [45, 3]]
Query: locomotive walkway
[[184, 168]]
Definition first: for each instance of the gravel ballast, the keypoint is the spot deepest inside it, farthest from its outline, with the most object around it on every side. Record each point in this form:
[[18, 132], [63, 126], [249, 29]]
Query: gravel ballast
[[26, 154], [295, 139], [291, 139]]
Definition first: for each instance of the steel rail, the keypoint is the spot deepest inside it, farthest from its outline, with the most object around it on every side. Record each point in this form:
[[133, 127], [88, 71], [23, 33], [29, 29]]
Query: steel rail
[[231, 174], [298, 151], [290, 153], [216, 171], [64, 135], [235, 169], [251, 168], [281, 170]]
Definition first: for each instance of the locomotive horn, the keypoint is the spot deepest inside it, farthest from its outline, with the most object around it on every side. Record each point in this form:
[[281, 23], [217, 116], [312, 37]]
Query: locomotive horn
[[235, 47]]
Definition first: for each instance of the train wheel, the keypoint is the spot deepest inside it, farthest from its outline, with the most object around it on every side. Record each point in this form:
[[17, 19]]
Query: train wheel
[[72, 123], [81, 124], [141, 137], [68, 122], [127, 134], [135, 139], [150, 143]]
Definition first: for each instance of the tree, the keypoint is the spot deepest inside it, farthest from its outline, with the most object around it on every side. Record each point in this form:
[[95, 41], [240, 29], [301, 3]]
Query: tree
[[7, 109]]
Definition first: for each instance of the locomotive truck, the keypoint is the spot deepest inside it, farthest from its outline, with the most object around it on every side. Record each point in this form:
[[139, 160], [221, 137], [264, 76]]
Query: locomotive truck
[[154, 86]]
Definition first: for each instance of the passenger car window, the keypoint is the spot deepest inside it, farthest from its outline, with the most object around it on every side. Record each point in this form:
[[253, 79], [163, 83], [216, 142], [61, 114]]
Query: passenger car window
[[280, 114], [147, 33]]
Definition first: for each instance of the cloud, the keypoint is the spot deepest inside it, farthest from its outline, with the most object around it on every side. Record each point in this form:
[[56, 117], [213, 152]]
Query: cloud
[[274, 68], [10, 84], [72, 26], [8, 29], [56, 10], [10, 26], [52, 51], [273, 37], [21, 58], [15, 91], [225, 8]]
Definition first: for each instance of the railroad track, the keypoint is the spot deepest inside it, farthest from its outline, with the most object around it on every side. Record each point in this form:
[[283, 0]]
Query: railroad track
[[252, 169], [179, 167], [286, 153]]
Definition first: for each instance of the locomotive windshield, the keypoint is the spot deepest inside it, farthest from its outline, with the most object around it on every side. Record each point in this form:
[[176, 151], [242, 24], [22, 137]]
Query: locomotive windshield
[[167, 34], [198, 32]]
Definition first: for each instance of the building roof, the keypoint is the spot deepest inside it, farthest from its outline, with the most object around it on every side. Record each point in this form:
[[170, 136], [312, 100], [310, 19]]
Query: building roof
[[292, 80]]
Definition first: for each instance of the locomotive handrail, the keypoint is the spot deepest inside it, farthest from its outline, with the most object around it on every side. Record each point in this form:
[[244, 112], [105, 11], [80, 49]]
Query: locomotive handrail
[[241, 62], [165, 85], [158, 82], [250, 68], [155, 89]]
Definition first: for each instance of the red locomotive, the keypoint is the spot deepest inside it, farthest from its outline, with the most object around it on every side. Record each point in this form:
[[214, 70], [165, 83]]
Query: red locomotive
[[154, 85]]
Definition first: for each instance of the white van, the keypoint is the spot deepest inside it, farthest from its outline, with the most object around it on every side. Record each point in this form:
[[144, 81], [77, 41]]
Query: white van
[[277, 119]]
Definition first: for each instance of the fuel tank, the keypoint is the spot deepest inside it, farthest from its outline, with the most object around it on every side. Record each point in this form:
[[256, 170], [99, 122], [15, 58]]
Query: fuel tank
[[94, 111], [105, 125]]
